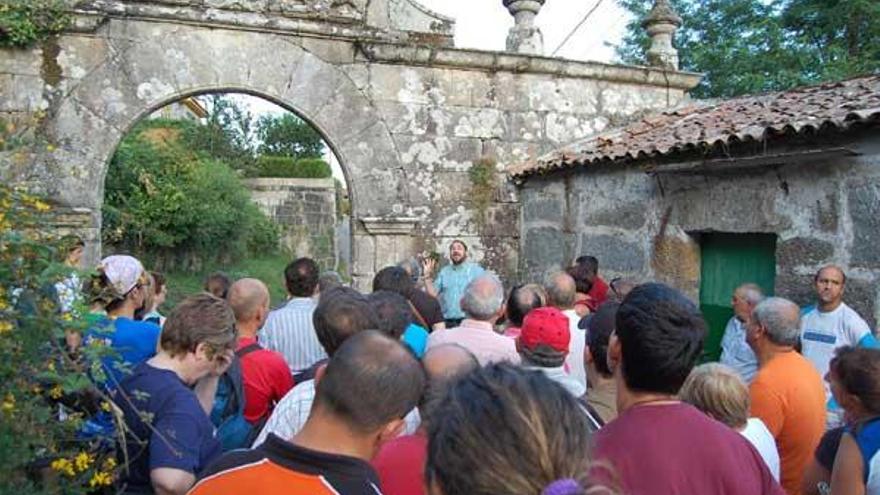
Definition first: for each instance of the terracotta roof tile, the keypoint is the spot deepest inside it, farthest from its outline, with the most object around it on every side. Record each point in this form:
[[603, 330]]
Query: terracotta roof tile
[[702, 125]]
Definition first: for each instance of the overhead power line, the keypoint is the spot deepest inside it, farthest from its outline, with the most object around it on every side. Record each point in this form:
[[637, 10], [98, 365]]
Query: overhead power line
[[567, 38]]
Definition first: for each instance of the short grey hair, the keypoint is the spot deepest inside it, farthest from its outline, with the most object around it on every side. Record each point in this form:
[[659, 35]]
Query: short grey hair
[[752, 293], [781, 318], [561, 290], [483, 297]]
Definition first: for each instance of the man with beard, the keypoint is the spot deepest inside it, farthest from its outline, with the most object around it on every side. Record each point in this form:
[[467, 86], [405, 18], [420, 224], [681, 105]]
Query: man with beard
[[451, 281]]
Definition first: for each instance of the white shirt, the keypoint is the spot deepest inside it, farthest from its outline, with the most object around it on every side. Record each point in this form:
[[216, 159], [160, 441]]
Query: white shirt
[[575, 359], [759, 436], [735, 351], [291, 413], [822, 333], [289, 331], [559, 376]]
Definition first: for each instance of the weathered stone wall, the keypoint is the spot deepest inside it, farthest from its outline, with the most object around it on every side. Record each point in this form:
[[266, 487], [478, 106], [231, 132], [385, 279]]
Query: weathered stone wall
[[406, 115], [821, 212], [305, 211]]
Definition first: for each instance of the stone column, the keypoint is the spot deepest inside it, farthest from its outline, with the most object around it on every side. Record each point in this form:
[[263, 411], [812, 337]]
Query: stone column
[[524, 37], [661, 24], [380, 242]]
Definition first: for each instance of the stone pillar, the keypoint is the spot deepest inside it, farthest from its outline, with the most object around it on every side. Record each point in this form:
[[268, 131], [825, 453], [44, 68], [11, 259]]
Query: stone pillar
[[661, 24], [380, 242], [524, 37]]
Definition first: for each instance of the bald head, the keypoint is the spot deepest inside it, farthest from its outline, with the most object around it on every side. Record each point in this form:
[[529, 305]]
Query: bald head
[[247, 297], [443, 365], [448, 361], [561, 290]]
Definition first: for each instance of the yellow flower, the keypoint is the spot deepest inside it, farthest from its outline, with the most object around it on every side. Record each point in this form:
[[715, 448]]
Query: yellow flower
[[3, 304], [8, 405], [82, 461], [100, 478], [63, 466], [56, 392], [41, 206], [106, 406], [5, 326], [50, 148], [109, 463], [67, 317]]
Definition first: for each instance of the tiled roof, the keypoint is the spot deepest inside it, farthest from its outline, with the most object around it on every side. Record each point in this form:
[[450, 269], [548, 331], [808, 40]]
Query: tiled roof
[[702, 125]]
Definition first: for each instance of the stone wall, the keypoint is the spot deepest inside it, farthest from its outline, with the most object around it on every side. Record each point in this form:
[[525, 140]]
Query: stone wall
[[407, 115], [647, 226], [305, 211]]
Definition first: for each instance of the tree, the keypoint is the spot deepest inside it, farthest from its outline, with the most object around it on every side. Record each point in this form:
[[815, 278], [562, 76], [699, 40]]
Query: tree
[[753, 46], [288, 135], [227, 134]]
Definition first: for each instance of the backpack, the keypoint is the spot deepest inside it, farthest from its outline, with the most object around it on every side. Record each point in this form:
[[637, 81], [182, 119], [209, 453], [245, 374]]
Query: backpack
[[227, 414]]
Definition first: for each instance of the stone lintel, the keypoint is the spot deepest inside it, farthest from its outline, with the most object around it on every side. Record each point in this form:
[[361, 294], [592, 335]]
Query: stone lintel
[[390, 226], [407, 54]]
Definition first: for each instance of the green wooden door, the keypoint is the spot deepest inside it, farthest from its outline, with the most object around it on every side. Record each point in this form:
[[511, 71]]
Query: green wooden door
[[727, 261]]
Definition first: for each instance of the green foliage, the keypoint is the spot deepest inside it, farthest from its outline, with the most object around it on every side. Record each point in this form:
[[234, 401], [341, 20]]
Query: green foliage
[[227, 134], [268, 267], [26, 22], [286, 166], [483, 183], [168, 202], [37, 374], [288, 135], [753, 46]]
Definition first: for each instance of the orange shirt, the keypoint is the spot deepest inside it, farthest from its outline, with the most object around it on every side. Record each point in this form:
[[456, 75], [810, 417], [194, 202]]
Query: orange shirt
[[789, 397], [278, 467]]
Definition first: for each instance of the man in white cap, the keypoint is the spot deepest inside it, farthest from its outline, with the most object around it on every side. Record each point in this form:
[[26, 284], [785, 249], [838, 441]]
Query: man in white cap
[[123, 283]]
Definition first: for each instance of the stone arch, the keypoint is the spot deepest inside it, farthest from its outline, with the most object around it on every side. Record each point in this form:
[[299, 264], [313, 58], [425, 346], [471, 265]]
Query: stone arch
[[141, 72]]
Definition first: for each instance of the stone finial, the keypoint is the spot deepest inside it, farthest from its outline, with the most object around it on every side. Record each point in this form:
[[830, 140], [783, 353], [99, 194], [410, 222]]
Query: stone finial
[[524, 36], [661, 24]]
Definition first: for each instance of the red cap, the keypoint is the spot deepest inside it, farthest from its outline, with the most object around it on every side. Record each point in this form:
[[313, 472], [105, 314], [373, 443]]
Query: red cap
[[546, 326]]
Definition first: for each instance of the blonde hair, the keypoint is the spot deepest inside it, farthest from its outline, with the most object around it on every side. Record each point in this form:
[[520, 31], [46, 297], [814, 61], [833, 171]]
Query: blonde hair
[[719, 392]]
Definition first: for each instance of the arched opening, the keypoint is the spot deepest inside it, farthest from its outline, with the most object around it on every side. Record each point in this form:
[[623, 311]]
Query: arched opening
[[230, 182]]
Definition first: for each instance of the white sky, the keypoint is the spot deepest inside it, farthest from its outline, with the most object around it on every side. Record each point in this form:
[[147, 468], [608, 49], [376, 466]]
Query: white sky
[[483, 24]]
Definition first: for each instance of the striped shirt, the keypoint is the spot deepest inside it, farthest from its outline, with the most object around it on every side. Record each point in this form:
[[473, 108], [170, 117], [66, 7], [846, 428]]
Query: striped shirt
[[291, 413], [280, 467], [289, 330]]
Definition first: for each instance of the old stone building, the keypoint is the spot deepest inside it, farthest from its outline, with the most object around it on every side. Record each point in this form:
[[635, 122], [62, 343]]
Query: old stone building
[[707, 196], [407, 114]]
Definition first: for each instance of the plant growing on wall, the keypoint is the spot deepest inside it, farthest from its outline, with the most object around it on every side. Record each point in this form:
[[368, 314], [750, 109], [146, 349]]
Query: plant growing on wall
[[27, 22], [483, 184]]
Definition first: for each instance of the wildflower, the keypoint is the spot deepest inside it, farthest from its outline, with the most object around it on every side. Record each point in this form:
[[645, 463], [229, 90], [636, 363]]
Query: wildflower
[[106, 406], [8, 405], [67, 316], [63, 466], [56, 392], [109, 464], [83, 460], [41, 206], [5, 326], [100, 478]]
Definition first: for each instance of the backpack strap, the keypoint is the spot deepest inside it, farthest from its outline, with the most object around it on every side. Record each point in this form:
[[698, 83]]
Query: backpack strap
[[244, 351]]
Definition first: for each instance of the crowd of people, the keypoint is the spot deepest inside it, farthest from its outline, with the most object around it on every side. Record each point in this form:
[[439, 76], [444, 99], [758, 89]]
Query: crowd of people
[[443, 382]]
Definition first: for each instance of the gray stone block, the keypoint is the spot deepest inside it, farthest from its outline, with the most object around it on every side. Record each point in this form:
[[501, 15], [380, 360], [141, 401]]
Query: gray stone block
[[614, 253], [630, 216], [864, 210], [544, 247], [547, 208], [803, 251]]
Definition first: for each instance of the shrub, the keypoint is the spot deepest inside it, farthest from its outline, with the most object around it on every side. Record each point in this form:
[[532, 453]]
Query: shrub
[[285, 166], [170, 205], [25, 22], [37, 450]]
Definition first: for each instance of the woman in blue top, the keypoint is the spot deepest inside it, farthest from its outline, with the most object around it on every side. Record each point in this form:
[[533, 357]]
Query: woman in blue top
[[854, 376]]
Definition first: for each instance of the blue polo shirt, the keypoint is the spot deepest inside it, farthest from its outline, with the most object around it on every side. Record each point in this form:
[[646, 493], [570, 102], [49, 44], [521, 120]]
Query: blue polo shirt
[[132, 341], [450, 285]]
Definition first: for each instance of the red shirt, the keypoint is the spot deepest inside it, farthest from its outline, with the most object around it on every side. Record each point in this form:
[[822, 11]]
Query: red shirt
[[401, 465], [598, 294], [674, 448], [266, 378]]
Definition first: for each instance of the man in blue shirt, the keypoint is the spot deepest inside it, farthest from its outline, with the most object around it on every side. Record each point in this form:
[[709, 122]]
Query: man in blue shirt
[[735, 351], [451, 281]]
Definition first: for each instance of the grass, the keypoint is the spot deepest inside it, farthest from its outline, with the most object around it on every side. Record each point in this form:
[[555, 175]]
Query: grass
[[269, 269]]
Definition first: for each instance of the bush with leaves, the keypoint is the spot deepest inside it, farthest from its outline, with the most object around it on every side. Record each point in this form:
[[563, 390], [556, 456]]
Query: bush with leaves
[[26, 22], [174, 207], [285, 166], [38, 378]]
